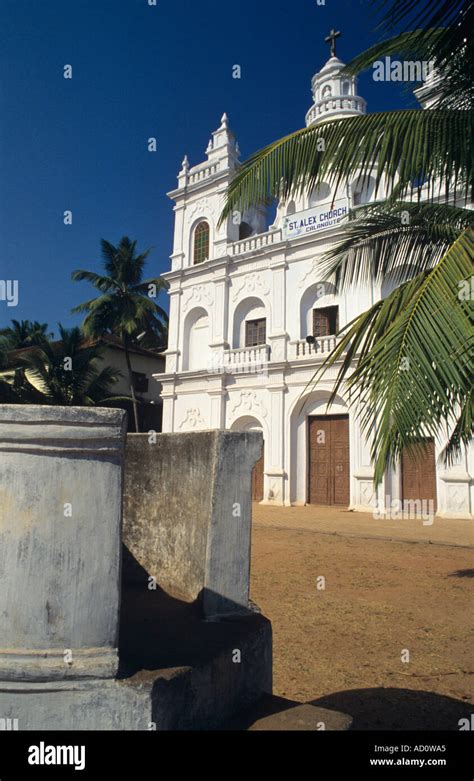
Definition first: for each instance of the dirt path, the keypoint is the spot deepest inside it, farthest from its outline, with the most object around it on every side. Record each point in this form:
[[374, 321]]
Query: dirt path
[[341, 645]]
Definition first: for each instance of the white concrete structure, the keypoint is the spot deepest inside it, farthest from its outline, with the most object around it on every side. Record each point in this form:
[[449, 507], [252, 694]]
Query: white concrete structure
[[65, 599], [244, 298], [60, 541]]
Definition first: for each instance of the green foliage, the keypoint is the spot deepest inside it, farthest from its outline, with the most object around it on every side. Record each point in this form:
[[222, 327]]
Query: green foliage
[[413, 353], [23, 333], [393, 146], [455, 90], [63, 372], [393, 242], [124, 307], [454, 19]]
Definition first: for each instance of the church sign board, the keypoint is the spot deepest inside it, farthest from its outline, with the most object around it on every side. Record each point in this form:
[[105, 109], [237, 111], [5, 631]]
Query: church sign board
[[315, 219]]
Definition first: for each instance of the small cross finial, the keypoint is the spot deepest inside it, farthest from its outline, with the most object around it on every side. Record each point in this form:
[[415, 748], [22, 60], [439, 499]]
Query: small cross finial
[[331, 38]]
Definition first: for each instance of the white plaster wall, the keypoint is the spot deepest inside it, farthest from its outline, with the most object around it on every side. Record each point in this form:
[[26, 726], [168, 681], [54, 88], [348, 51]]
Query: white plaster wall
[[279, 282], [199, 344], [192, 412], [140, 363]]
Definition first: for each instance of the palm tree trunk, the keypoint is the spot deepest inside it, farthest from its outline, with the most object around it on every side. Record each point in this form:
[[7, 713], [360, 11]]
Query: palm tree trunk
[[132, 388]]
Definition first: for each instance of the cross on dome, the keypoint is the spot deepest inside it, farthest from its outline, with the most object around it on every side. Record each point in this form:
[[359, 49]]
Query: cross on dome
[[331, 38]]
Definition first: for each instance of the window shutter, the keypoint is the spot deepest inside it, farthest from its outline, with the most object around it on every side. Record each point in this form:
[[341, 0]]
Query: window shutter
[[325, 321], [255, 332]]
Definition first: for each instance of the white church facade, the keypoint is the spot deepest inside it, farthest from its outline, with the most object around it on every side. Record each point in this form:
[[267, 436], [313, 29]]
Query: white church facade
[[244, 298]]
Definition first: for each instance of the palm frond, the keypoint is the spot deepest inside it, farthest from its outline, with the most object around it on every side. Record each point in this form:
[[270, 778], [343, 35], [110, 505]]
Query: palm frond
[[393, 242], [461, 434], [449, 83], [413, 354], [102, 283], [121, 263], [395, 146], [92, 303], [125, 308], [99, 384], [144, 287], [454, 16]]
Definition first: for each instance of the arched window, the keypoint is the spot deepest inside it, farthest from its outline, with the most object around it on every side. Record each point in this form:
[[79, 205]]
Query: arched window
[[250, 326], [245, 231], [320, 194], [291, 208], [196, 340], [201, 243], [363, 190], [346, 87]]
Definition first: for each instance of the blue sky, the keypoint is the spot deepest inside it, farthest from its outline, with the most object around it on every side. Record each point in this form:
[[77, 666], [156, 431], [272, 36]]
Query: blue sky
[[140, 71]]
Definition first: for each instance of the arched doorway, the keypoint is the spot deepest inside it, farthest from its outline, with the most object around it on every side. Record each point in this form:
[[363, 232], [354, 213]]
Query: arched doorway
[[328, 460], [257, 480], [418, 474], [320, 459], [249, 423]]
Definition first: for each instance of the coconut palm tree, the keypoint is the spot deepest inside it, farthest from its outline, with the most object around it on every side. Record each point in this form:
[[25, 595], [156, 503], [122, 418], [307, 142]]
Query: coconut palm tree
[[408, 361], [24, 333], [63, 372], [126, 305]]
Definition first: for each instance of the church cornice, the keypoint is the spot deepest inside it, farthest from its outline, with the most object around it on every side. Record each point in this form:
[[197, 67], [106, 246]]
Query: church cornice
[[189, 189], [210, 266]]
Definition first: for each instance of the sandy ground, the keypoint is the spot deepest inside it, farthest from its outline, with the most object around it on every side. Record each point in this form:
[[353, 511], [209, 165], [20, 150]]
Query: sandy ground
[[341, 646]]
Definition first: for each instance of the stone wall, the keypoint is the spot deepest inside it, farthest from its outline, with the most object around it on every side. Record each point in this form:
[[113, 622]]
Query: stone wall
[[60, 555], [187, 513], [61, 583]]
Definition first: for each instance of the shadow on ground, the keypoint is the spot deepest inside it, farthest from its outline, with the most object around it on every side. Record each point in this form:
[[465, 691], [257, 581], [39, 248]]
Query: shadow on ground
[[397, 709], [462, 573], [369, 709], [273, 713]]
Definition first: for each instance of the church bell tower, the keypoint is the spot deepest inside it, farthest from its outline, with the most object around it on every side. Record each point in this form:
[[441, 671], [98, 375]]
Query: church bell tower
[[334, 95]]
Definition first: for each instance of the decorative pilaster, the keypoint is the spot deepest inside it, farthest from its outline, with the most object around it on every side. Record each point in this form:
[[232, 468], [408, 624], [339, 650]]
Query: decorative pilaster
[[278, 338], [169, 405], [219, 325], [179, 251], [173, 352], [217, 395], [274, 467]]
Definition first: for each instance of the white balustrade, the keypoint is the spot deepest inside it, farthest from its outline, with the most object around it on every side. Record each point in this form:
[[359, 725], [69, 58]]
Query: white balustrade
[[330, 104], [245, 356], [257, 242], [203, 173], [323, 345]]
